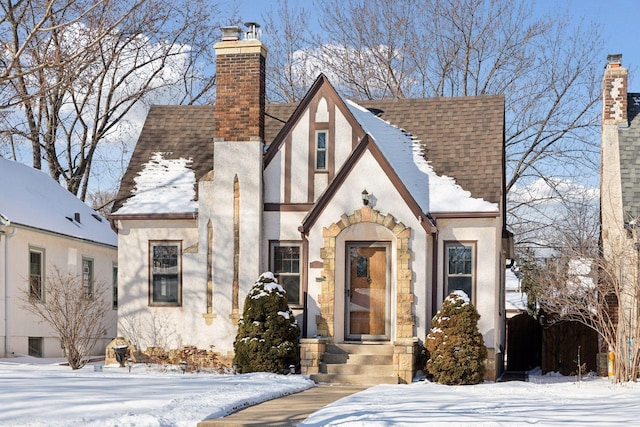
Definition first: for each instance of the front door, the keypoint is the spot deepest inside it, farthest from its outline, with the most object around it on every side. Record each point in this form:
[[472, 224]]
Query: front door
[[367, 292]]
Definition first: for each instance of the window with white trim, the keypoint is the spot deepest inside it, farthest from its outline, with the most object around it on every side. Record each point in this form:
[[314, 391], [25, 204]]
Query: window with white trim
[[87, 276], [36, 273], [285, 265], [165, 273], [459, 270], [322, 138]]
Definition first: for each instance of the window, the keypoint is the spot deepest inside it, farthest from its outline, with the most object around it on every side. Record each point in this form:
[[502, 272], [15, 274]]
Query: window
[[36, 273], [114, 270], [35, 346], [285, 264], [87, 277], [459, 270], [321, 150], [165, 273]]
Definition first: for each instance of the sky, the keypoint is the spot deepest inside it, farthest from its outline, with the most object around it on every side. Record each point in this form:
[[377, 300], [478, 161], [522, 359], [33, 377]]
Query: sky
[[619, 19], [41, 392]]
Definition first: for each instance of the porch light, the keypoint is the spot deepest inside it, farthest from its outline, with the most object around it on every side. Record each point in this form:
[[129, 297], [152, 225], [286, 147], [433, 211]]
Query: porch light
[[365, 197]]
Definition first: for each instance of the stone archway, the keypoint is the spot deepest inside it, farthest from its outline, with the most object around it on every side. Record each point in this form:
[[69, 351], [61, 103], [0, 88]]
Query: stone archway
[[405, 345]]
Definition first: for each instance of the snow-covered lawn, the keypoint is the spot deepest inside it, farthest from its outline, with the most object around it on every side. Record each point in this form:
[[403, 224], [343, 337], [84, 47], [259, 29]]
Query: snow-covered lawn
[[33, 393], [36, 394], [544, 400]]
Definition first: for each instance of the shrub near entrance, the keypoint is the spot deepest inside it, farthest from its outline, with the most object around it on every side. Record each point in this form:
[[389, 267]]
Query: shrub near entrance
[[268, 334], [456, 348]]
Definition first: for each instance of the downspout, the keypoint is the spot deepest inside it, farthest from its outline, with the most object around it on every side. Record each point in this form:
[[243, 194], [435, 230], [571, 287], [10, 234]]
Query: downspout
[[7, 236]]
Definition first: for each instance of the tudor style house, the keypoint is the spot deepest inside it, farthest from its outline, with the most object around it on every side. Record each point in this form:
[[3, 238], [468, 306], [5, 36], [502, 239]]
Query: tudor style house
[[369, 213], [43, 226]]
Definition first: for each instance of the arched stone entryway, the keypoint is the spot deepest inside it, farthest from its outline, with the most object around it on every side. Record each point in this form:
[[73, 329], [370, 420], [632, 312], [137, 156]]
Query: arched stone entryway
[[404, 342]]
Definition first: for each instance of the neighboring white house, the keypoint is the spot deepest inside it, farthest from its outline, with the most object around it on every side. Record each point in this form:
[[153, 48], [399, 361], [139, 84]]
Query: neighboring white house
[[42, 226], [369, 213]]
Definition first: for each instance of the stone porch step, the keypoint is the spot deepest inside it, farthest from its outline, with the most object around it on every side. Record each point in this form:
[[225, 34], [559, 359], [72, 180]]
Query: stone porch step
[[357, 364]]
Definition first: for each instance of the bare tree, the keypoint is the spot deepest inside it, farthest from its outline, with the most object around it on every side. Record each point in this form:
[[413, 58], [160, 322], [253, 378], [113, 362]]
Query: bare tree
[[548, 72], [105, 62], [77, 314], [291, 70]]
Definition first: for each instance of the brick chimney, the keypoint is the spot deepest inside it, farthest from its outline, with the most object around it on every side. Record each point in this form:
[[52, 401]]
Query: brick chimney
[[240, 85], [614, 91]]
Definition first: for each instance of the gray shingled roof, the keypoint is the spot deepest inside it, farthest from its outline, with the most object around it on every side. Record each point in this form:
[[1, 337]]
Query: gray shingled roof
[[629, 139], [464, 137]]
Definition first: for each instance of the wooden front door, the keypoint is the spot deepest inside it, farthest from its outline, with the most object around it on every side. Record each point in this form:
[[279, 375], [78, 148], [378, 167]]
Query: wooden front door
[[367, 292]]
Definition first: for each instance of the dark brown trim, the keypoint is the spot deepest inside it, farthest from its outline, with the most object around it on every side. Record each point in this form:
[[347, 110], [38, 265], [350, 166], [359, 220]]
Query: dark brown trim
[[333, 186], [294, 118], [461, 215], [423, 218], [434, 276], [304, 248], [288, 207], [474, 258], [367, 143], [154, 216], [287, 169]]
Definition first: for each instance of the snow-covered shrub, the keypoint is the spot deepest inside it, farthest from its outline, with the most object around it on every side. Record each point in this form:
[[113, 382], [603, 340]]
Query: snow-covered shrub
[[268, 334], [456, 349]]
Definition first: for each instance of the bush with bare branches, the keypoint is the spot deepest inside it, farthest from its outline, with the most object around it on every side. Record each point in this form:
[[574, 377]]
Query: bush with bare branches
[[79, 319]]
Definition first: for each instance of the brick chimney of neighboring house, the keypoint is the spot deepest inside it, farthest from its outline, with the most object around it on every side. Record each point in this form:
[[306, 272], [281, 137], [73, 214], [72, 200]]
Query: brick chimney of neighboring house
[[614, 91], [240, 85]]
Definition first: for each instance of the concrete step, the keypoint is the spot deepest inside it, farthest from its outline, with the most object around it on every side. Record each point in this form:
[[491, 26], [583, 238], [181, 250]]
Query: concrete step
[[358, 359], [348, 348], [354, 379], [353, 369]]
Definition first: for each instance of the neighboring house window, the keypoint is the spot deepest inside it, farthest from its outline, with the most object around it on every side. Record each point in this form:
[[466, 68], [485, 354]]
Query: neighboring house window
[[36, 273], [285, 264], [321, 149], [114, 270], [165, 288], [35, 346], [87, 276], [460, 268]]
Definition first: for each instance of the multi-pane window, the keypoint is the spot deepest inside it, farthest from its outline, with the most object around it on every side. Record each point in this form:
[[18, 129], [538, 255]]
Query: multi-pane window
[[285, 264], [321, 150], [36, 273], [459, 270], [114, 281], [87, 277], [165, 273]]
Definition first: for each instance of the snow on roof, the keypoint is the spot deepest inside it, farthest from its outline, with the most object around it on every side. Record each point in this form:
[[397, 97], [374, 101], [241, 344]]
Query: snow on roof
[[163, 186], [404, 153], [31, 198]]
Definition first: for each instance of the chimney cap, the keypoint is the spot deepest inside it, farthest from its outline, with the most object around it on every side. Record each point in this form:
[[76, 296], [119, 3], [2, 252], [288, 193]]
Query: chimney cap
[[231, 33], [253, 30], [614, 59]]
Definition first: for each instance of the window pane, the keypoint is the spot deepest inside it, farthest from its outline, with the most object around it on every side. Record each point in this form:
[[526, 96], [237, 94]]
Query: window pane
[[165, 288], [35, 346], [291, 284], [460, 260], [165, 274], [460, 283], [322, 140], [321, 162], [87, 276], [35, 274]]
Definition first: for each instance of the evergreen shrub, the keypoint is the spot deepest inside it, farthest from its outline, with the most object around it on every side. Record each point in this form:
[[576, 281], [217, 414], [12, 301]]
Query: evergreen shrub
[[456, 349], [268, 334]]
